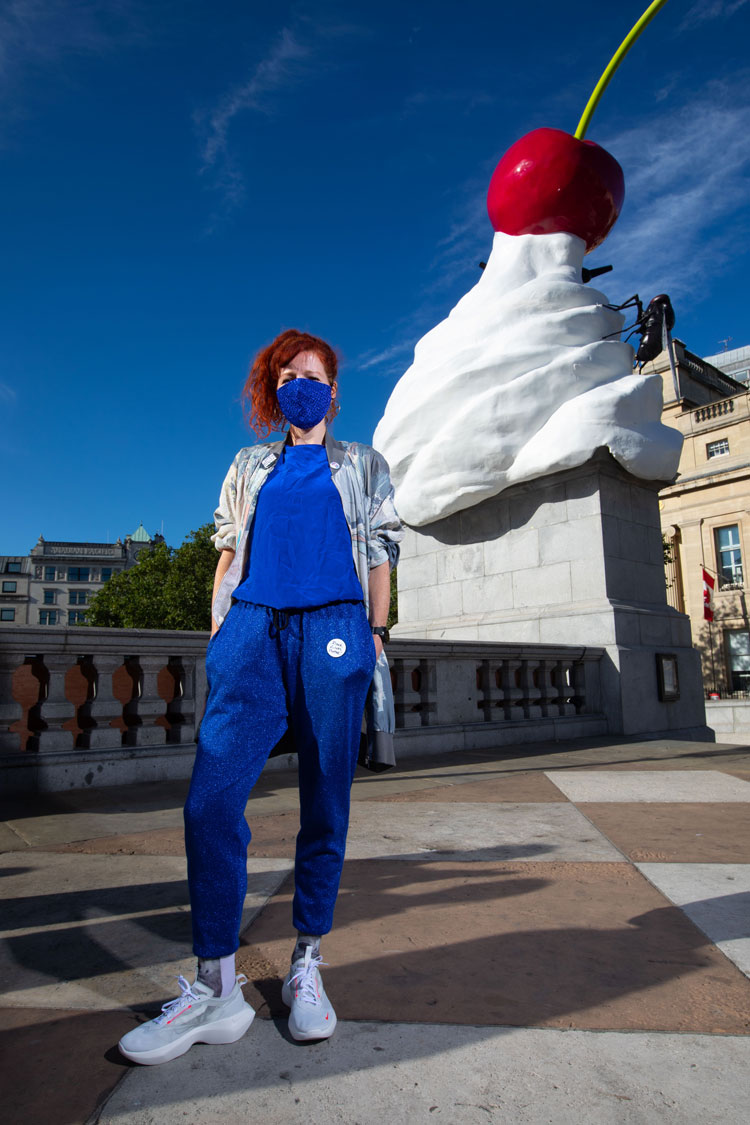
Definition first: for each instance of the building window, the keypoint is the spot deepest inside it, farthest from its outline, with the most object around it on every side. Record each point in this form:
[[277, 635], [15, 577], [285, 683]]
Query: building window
[[717, 448], [48, 617], [10, 587], [78, 574], [13, 568], [106, 573], [738, 658], [75, 616], [49, 574], [78, 597], [49, 597], [7, 615], [729, 556]]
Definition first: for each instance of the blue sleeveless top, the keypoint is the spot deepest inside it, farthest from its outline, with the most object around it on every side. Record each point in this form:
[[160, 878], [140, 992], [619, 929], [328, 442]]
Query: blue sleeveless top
[[301, 548]]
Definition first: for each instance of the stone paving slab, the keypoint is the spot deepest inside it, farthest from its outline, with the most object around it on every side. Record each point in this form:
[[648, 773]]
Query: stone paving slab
[[511, 788], [102, 931], [565, 944], [682, 833], [666, 786], [716, 896], [374, 1073], [471, 831], [161, 841], [587, 945], [58, 1065], [52, 829], [274, 835]]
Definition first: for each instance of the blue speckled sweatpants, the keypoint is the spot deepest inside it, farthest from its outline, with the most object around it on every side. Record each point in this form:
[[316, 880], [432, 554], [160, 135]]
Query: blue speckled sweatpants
[[312, 676]]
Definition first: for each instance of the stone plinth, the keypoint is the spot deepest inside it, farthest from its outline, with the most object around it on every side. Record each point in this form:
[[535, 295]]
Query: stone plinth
[[573, 558]]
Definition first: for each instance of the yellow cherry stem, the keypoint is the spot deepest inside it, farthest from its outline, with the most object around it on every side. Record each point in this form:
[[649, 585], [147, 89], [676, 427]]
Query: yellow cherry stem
[[614, 62]]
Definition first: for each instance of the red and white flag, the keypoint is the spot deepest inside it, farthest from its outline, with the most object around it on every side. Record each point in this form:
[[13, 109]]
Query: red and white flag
[[708, 595]]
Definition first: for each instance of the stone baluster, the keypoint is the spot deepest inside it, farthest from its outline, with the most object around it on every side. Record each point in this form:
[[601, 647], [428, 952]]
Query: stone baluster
[[46, 717], [564, 684], [548, 696], [531, 694], [484, 702], [428, 690], [579, 699], [407, 698], [181, 710], [96, 714], [498, 693], [490, 683], [10, 709], [510, 678], [146, 704]]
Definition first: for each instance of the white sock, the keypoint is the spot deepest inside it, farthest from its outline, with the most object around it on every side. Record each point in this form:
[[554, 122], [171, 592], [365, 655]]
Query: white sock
[[228, 974], [218, 973], [303, 940]]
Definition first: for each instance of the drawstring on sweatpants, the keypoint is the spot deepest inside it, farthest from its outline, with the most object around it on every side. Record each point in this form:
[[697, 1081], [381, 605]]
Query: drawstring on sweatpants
[[279, 622]]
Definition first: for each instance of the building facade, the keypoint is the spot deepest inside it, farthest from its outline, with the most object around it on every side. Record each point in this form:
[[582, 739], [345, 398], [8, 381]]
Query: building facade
[[55, 582], [15, 576], [705, 514]]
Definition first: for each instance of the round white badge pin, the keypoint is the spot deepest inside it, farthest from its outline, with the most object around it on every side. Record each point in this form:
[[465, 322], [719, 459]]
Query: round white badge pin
[[336, 647]]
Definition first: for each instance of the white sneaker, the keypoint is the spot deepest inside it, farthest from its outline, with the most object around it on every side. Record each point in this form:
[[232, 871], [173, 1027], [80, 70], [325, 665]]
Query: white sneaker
[[196, 1016], [312, 1016]]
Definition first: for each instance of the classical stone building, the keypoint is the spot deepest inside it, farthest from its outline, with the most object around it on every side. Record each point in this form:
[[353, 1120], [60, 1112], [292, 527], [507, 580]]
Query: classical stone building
[[15, 576], [54, 583], [705, 514]]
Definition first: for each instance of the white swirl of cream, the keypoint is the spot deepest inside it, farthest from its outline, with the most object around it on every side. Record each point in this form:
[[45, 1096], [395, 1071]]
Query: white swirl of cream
[[518, 382]]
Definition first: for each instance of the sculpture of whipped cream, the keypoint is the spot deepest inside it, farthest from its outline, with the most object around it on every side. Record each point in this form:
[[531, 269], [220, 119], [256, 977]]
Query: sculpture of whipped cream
[[518, 382], [525, 378]]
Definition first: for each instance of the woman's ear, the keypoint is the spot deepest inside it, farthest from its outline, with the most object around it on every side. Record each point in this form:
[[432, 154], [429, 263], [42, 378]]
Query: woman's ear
[[333, 390]]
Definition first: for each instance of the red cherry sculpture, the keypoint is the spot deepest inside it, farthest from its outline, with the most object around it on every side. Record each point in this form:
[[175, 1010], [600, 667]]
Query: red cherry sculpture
[[550, 181]]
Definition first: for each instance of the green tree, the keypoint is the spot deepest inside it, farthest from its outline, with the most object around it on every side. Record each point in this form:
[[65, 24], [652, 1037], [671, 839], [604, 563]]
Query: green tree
[[166, 589], [393, 609], [190, 582]]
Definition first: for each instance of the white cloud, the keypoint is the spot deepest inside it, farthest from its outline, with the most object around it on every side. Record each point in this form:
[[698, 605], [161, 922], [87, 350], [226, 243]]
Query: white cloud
[[280, 67], [686, 176], [706, 10], [43, 37], [288, 64], [45, 30], [385, 356], [686, 185], [7, 393]]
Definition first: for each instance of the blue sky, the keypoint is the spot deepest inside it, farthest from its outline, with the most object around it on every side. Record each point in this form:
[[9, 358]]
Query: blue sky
[[182, 180]]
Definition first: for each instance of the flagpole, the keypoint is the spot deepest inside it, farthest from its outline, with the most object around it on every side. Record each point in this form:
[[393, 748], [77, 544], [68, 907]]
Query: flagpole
[[711, 643], [708, 615]]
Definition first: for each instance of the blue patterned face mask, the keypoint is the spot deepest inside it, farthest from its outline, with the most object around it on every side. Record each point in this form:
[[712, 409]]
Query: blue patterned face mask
[[304, 402]]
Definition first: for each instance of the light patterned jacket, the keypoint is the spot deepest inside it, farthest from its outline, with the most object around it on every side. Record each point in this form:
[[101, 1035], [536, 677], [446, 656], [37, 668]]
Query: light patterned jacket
[[362, 478]]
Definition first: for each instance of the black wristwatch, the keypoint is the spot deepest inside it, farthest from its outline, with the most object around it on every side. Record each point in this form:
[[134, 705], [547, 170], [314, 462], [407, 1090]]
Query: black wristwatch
[[382, 632]]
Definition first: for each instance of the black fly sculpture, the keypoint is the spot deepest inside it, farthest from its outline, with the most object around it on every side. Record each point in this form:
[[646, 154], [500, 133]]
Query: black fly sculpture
[[654, 326]]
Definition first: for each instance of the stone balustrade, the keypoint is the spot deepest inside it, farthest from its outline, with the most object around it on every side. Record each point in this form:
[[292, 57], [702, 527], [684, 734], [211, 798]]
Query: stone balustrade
[[714, 410], [84, 706]]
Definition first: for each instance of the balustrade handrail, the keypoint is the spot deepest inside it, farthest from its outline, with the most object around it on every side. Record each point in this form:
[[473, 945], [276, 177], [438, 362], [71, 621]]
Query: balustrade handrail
[[120, 705], [84, 638]]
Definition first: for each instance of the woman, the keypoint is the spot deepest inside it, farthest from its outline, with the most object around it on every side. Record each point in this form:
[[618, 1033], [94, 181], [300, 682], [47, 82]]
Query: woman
[[308, 535]]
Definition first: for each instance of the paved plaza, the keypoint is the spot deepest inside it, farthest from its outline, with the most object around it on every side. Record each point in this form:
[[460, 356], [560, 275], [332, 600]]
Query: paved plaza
[[554, 934]]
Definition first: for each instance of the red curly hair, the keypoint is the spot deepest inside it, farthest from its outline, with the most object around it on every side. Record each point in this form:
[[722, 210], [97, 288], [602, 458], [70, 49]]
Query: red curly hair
[[259, 400]]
